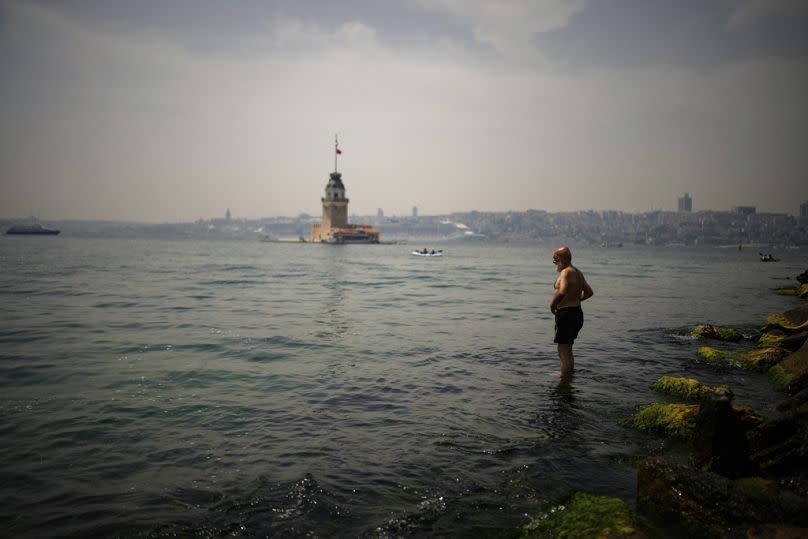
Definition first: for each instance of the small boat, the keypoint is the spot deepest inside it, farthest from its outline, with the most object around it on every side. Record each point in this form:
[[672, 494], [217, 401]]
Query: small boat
[[768, 258], [35, 229], [431, 253]]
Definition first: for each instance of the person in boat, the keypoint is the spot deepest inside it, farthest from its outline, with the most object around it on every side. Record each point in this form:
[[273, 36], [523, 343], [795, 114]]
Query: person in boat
[[424, 251], [433, 252], [571, 289]]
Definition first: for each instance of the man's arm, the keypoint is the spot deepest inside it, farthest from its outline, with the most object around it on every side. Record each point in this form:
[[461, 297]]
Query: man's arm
[[586, 290], [560, 292]]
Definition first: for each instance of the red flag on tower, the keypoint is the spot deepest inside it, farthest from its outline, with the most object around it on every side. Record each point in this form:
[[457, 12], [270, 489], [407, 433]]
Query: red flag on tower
[[339, 151]]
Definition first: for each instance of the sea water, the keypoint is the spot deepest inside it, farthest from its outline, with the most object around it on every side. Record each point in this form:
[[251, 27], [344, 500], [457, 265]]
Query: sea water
[[155, 387]]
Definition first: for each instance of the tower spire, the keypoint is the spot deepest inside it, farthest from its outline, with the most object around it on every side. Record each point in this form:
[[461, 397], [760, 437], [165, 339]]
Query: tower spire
[[337, 151]]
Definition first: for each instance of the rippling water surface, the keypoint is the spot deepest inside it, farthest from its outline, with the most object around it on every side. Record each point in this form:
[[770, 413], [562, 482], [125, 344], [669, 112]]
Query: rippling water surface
[[154, 387]]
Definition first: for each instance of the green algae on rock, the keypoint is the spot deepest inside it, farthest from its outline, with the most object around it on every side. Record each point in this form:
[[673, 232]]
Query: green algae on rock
[[751, 360], [687, 388], [787, 291], [708, 331], [675, 420], [586, 515], [770, 340], [711, 355], [779, 378], [793, 317], [791, 374]]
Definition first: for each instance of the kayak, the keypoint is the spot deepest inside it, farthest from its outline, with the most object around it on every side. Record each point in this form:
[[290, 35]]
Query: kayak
[[419, 253]]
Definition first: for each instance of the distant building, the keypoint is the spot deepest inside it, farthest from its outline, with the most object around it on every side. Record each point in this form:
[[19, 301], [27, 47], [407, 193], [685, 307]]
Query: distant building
[[745, 210], [415, 211], [334, 227], [380, 213], [804, 212], [685, 203], [227, 215]]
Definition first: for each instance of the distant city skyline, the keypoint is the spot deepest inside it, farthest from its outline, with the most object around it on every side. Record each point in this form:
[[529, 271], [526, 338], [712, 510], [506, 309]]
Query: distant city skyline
[[156, 111]]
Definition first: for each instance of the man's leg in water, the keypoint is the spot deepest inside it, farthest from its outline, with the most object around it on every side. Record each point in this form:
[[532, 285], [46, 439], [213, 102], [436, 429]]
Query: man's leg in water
[[565, 355]]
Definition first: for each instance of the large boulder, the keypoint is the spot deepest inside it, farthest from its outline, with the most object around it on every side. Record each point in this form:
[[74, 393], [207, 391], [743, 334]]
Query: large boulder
[[779, 446], [705, 504], [802, 278], [791, 374], [719, 438]]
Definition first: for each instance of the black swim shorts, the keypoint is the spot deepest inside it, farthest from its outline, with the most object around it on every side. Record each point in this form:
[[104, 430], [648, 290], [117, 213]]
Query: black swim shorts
[[568, 322]]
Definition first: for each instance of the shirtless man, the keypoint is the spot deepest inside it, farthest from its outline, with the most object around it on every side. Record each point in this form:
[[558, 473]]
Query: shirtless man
[[570, 290]]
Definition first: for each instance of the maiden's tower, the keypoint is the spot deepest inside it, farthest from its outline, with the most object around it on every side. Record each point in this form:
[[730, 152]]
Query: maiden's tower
[[335, 227]]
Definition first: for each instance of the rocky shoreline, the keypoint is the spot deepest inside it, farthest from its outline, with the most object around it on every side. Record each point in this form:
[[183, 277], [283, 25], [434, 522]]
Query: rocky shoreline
[[746, 475]]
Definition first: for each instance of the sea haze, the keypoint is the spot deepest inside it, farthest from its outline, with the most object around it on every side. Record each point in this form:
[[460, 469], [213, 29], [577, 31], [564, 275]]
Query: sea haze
[[239, 387]]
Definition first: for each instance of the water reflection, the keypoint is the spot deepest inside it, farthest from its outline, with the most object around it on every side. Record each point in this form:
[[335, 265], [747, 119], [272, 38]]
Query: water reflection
[[332, 321], [563, 394]]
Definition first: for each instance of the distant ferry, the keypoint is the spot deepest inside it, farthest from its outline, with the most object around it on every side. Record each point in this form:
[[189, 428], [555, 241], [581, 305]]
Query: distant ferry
[[35, 229]]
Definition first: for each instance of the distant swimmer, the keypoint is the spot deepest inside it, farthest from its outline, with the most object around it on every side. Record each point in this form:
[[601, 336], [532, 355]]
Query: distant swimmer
[[570, 290]]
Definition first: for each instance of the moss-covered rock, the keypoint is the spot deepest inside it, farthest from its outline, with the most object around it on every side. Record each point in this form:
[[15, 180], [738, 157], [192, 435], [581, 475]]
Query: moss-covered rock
[[791, 374], [779, 378], [586, 516], [708, 331], [752, 360], [770, 340], [787, 291], [758, 360], [711, 355], [687, 388], [675, 420], [794, 317]]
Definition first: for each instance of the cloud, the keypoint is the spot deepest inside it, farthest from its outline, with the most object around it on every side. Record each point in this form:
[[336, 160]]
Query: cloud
[[750, 11], [508, 25], [129, 123]]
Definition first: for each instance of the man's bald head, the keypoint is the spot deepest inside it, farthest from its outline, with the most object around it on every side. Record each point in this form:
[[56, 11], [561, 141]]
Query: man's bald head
[[563, 252]]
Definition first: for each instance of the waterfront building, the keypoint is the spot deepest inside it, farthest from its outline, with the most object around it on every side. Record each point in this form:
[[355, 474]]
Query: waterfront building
[[804, 212], [685, 203], [334, 227], [415, 211], [745, 210]]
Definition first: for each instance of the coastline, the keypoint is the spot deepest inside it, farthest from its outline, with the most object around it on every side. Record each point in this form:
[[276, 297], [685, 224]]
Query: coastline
[[745, 473]]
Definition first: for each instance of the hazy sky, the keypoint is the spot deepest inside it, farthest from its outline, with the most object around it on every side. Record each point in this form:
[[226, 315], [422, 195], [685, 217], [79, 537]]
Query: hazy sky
[[172, 110]]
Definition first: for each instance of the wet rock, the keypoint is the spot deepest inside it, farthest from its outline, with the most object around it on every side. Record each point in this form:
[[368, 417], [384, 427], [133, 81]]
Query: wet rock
[[705, 504], [586, 515], [708, 331], [779, 446], [782, 338], [719, 439], [802, 278], [792, 403], [791, 374], [794, 317], [758, 359], [687, 388]]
